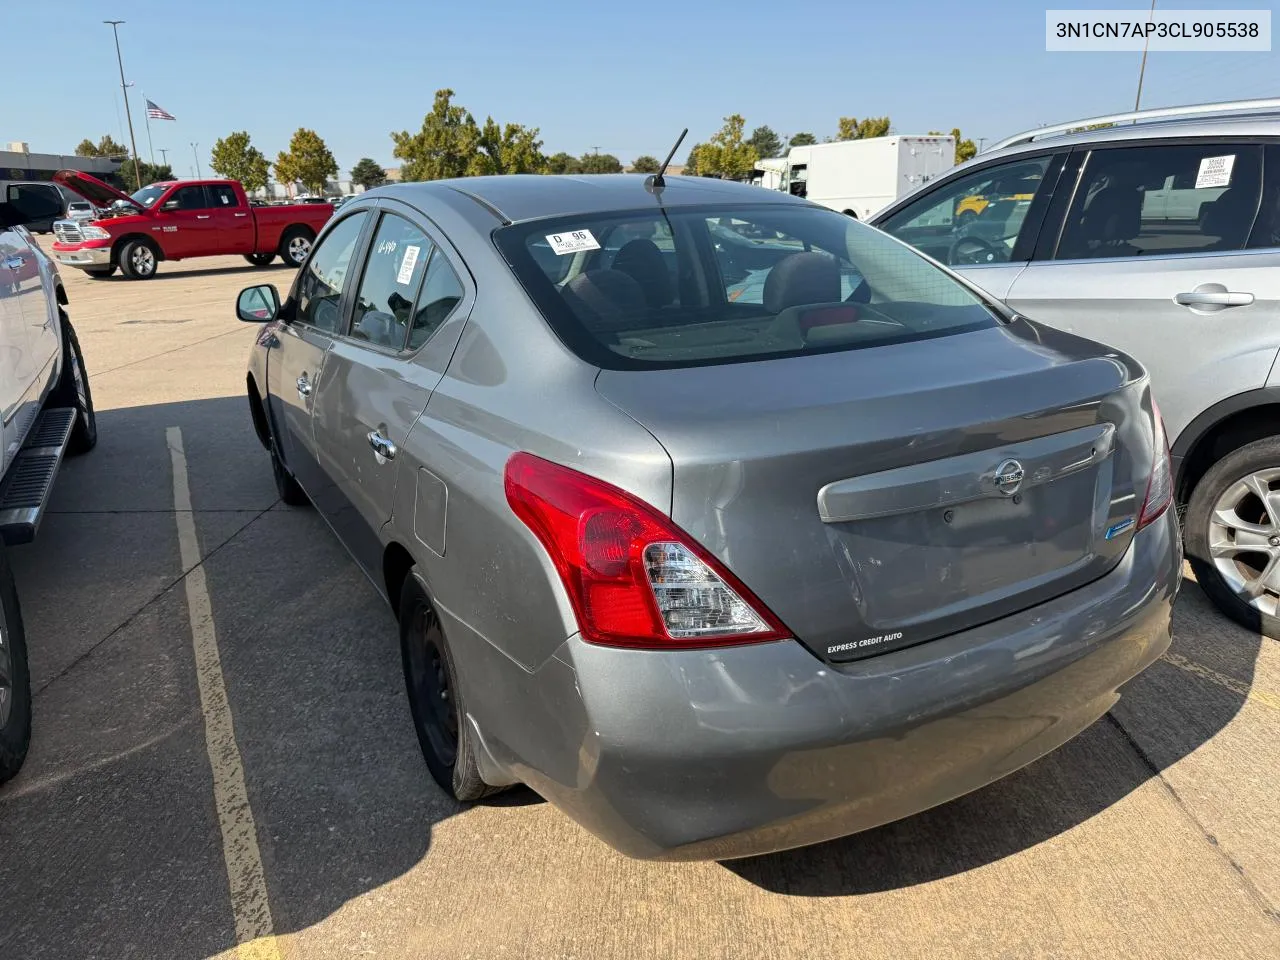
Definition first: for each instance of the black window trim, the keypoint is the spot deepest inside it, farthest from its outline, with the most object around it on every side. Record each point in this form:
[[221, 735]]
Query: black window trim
[[378, 209], [1046, 250], [1026, 244]]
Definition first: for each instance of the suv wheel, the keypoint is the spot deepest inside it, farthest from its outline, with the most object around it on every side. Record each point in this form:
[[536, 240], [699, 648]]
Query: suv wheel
[[72, 390], [1233, 535]]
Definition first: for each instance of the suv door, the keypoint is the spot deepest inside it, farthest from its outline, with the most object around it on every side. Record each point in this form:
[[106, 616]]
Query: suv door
[[15, 352], [1188, 285], [314, 317], [983, 223], [378, 378]]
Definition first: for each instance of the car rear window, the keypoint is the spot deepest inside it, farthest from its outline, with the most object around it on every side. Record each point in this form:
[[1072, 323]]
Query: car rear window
[[698, 285]]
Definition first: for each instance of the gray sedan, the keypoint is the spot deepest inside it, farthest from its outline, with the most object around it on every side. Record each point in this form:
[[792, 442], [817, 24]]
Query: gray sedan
[[724, 522]]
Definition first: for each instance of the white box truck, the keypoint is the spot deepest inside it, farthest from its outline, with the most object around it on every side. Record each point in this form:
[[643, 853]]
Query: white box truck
[[859, 177]]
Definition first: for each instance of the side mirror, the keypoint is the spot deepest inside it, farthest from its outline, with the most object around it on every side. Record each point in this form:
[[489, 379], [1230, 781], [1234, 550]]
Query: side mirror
[[258, 304], [26, 203], [170, 205]]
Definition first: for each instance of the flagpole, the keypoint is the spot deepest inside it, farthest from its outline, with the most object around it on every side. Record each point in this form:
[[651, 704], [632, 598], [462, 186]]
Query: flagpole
[[147, 106]]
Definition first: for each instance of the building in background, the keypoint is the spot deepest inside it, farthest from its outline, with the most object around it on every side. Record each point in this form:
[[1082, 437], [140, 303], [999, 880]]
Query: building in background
[[17, 162]]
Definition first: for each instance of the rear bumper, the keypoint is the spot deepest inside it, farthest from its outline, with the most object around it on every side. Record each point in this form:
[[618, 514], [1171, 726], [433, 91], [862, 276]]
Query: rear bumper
[[75, 255], [747, 750]]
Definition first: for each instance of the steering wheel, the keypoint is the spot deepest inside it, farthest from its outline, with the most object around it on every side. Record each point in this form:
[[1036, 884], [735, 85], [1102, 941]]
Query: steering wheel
[[973, 250]]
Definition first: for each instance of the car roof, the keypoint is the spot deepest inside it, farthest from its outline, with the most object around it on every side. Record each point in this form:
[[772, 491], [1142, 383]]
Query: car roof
[[519, 197]]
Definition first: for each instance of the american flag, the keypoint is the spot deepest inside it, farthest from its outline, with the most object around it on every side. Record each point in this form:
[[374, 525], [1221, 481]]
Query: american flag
[[158, 113]]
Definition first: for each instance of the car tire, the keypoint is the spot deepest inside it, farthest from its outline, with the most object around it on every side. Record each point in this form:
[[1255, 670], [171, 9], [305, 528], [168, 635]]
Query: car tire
[[287, 487], [72, 390], [295, 246], [139, 259], [435, 699], [15, 678], [1231, 489], [260, 259], [99, 273]]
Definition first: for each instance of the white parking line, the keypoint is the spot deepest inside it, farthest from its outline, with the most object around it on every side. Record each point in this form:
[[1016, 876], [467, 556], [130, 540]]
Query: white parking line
[[255, 932]]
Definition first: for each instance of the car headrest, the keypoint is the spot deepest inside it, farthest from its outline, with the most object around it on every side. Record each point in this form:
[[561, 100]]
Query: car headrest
[[610, 299], [802, 278], [641, 260], [1114, 214], [1227, 217]]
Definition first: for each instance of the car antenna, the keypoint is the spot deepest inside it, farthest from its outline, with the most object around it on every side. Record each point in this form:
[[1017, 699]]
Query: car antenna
[[656, 182]]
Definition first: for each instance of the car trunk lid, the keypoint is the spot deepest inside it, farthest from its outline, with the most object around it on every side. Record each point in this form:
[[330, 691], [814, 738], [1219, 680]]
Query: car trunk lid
[[886, 496]]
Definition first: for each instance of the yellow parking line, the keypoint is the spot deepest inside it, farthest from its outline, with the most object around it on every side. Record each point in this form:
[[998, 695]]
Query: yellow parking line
[[1238, 687], [255, 932]]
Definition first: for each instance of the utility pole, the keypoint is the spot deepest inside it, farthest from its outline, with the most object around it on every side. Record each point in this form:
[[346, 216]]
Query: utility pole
[[981, 141], [164, 156], [124, 89], [1137, 101], [194, 147]]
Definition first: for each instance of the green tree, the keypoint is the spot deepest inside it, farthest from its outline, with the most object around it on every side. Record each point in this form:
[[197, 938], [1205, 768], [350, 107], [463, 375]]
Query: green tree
[[444, 147], [563, 163], [151, 173], [965, 149], [803, 140], [368, 173], [512, 148], [691, 163], [307, 161], [851, 128], [600, 163], [728, 155], [236, 158], [766, 142], [646, 164], [105, 147]]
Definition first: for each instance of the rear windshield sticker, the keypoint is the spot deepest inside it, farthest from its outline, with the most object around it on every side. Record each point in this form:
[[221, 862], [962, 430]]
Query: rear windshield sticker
[[1215, 172], [407, 263], [572, 242]]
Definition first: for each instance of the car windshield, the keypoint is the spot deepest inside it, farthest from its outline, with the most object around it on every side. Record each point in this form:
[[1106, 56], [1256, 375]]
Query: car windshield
[[149, 195], [698, 285]]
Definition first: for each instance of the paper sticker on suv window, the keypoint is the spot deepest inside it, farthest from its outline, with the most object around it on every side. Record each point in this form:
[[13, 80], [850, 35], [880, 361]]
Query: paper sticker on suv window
[[407, 263], [572, 242], [1215, 172]]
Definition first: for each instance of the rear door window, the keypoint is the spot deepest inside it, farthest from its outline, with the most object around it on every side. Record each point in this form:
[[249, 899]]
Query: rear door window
[[441, 293], [393, 272], [222, 195], [1162, 199]]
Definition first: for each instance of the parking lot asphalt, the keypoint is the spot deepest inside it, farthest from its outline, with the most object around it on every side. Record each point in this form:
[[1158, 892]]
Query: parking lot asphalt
[[1155, 834]]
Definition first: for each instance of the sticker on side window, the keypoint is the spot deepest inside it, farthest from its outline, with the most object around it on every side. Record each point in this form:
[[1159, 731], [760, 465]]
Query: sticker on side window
[[407, 263], [1215, 172], [574, 241]]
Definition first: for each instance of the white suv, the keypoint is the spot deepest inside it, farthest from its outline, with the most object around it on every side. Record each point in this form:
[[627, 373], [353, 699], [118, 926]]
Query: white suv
[[48, 412], [1157, 232]]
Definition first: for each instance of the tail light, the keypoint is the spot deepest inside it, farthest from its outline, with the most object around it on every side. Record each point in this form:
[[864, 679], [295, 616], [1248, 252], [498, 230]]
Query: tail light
[[1160, 486], [634, 578]]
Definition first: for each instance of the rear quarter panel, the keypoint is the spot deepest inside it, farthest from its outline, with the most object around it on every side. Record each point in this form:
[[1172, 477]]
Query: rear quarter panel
[[271, 222]]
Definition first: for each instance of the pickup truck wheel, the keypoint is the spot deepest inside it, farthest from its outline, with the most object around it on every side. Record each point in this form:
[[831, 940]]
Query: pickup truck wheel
[[138, 260], [99, 273], [15, 678], [72, 390], [295, 245], [260, 259]]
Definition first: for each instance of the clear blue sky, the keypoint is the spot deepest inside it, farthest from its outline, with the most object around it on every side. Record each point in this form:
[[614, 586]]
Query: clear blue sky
[[623, 77]]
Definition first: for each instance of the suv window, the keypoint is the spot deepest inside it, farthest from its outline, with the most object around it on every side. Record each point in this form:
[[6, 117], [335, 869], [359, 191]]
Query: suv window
[[1163, 199], [222, 195], [321, 281], [188, 198], [440, 294], [393, 272], [973, 219]]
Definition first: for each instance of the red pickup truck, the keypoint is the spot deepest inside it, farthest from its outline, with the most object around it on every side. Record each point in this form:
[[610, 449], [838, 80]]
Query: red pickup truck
[[176, 220]]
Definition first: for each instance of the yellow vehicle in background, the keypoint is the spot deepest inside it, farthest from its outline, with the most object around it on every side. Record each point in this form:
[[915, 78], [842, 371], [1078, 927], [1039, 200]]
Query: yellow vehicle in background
[[969, 207]]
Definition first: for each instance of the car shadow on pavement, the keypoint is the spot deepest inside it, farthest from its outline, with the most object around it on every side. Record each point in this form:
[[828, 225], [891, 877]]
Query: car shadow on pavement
[[110, 844], [1164, 713]]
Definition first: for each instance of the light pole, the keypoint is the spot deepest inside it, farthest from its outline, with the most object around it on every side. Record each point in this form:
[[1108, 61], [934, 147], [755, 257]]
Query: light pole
[[1137, 101], [194, 146], [124, 89]]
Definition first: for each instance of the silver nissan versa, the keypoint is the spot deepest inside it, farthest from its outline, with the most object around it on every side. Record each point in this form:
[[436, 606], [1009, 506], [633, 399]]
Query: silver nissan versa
[[724, 522]]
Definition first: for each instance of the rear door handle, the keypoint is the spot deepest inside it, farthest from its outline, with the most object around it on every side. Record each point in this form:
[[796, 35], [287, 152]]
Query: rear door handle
[[241, 214], [304, 386], [203, 216], [383, 447], [1213, 296]]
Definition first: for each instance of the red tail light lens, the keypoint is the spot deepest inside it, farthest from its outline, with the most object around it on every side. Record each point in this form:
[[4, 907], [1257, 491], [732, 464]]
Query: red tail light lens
[[1160, 486], [635, 579]]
